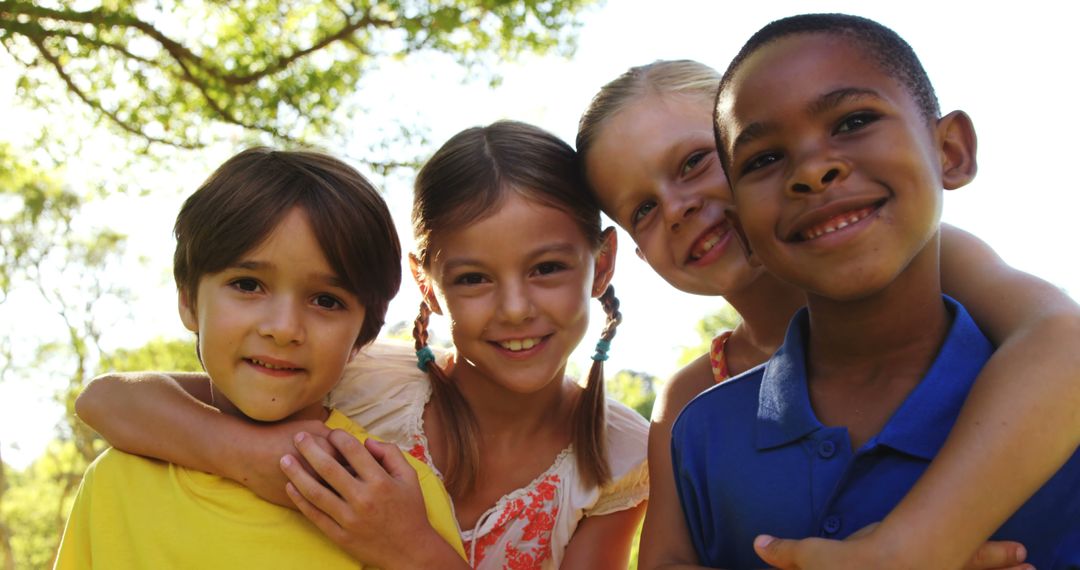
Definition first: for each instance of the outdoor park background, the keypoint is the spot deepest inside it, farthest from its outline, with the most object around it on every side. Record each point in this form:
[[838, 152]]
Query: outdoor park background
[[86, 207]]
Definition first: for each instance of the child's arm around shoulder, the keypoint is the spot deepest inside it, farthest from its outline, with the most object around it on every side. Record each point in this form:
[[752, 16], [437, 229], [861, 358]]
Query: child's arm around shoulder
[[1019, 425], [169, 417]]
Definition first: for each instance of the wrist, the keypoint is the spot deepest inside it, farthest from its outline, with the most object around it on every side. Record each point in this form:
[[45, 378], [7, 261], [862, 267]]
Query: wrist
[[438, 555], [231, 452]]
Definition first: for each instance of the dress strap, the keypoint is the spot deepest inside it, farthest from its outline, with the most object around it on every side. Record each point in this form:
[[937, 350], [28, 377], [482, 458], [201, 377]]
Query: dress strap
[[718, 357]]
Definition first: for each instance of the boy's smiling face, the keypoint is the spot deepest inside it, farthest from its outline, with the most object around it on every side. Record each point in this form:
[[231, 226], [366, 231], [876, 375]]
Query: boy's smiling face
[[837, 174], [277, 327]]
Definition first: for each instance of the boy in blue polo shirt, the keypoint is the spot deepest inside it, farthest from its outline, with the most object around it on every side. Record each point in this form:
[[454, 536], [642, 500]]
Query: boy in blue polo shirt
[[830, 134]]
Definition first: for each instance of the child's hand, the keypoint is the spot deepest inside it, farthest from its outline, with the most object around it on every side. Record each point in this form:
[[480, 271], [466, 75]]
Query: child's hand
[[258, 455], [378, 514], [857, 552]]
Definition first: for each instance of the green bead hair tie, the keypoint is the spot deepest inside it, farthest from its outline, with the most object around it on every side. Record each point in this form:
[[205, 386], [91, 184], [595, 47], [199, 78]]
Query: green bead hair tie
[[424, 356], [602, 348]]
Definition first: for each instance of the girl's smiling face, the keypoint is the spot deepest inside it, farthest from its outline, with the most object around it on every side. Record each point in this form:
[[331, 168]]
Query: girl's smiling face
[[653, 166], [516, 285]]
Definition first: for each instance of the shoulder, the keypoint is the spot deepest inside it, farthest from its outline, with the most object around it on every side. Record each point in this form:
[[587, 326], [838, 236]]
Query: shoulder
[[383, 390], [732, 404], [627, 432], [627, 435], [683, 386]]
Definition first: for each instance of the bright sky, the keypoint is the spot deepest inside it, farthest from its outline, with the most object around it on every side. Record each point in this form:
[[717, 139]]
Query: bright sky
[[1010, 67]]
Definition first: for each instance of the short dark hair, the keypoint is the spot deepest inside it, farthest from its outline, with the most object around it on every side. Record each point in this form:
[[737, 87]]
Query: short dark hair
[[241, 203], [883, 46]]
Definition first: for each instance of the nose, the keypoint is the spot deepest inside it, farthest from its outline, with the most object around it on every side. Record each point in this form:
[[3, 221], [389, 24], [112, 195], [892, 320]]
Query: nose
[[815, 173], [282, 321], [678, 206], [515, 303]]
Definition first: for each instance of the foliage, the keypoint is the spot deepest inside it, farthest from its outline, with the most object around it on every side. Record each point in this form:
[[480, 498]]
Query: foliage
[[173, 355], [708, 328], [36, 505], [53, 262], [635, 389], [166, 71]]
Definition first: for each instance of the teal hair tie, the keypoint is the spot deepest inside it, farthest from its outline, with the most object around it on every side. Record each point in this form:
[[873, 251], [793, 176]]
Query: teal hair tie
[[424, 356], [602, 348]]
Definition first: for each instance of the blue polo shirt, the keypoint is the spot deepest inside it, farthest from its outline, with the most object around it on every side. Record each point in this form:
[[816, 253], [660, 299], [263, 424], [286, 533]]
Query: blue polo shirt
[[750, 457]]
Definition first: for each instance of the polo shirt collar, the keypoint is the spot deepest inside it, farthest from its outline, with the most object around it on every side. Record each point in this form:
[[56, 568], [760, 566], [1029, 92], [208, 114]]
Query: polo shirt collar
[[921, 424], [784, 412]]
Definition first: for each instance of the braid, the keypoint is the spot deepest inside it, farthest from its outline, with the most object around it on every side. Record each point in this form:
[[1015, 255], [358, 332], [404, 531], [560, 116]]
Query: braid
[[455, 417], [611, 308], [590, 424]]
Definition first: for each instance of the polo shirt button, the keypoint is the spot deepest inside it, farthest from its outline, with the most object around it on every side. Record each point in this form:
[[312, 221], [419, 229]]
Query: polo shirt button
[[826, 449], [832, 524]]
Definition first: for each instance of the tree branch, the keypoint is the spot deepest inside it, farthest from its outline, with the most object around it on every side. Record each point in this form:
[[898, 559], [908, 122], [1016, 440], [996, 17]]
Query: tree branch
[[96, 105]]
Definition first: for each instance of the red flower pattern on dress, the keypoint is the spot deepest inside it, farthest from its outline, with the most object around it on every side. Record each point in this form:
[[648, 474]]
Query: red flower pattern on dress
[[417, 450], [539, 510]]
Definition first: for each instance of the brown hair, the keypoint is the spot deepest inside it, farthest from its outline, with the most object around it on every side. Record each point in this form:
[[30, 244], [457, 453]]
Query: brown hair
[[659, 77], [241, 203], [464, 181]]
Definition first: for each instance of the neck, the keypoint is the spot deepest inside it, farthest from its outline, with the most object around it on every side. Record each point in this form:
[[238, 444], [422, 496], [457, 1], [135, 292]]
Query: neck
[[766, 306], [901, 326], [503, 412]]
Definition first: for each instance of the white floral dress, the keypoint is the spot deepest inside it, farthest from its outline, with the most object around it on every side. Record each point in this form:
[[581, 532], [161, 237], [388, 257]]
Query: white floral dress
[[383, 390]]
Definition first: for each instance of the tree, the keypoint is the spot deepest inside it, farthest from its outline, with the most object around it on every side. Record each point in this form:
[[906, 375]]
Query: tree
[[708, 328], [51, 262], [167, 71], [635, 389]]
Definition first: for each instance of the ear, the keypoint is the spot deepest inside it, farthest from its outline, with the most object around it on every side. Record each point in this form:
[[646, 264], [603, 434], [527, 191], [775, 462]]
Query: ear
[[604, 268], [423, 281], [187, 311], [736, 226], [640, 254], [957, 142]]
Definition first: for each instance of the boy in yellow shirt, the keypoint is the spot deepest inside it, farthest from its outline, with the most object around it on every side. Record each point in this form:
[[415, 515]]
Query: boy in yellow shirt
[[285, 263]]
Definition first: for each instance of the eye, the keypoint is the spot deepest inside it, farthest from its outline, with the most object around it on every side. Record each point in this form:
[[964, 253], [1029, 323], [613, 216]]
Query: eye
[[639, 214], [469, 279], [692, 161], [549, 267], [855, 121], [759, 161], [329, 302], [245, 284]]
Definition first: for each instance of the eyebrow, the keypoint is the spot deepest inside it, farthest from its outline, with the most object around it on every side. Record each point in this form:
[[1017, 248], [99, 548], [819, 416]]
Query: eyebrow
[[556, 247], [328, 279], [824, 103]]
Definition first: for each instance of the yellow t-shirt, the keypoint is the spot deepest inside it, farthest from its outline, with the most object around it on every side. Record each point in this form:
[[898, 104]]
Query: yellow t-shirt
[[132, 512]]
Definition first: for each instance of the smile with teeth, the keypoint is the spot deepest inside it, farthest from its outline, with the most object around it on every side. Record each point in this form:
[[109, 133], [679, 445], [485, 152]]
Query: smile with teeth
[[707, 242], [835, 223], [269, 366], [519, 344]]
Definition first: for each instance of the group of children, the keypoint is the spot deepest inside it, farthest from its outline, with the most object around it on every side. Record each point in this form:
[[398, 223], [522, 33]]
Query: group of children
[[809, 174]]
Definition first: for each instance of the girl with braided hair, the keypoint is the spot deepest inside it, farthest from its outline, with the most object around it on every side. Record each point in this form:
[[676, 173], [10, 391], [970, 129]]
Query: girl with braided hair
[[542, 471]]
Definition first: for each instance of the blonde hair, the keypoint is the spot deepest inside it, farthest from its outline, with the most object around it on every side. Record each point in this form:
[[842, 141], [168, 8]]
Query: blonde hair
[[660, 77]]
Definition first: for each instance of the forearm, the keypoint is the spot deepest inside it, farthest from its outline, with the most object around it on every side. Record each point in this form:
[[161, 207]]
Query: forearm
[[1018, 426], [152, 415]]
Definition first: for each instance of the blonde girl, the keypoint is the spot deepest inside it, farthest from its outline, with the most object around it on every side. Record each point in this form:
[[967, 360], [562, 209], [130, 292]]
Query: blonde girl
[[648, 151]]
